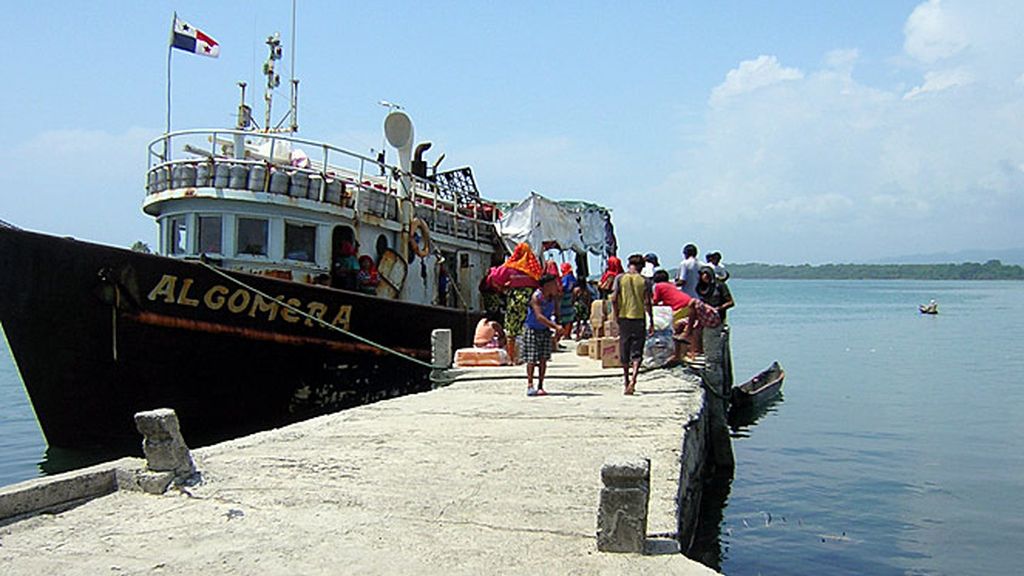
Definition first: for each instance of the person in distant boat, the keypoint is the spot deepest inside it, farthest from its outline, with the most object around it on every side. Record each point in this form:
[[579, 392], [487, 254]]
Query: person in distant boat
[[631, 304], [607, 282], [367, 278], [489, 333], [537, 338], [715, 260], [686, 278]]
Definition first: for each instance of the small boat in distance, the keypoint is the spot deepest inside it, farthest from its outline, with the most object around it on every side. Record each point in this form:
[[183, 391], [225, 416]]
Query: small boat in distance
[[761, 388], [929, 308]]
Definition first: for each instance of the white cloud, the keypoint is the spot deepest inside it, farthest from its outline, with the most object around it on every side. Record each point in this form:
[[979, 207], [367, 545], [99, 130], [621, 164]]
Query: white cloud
[[933, 33], [832, 166], [752, 75], [842, 60], [939, 81]]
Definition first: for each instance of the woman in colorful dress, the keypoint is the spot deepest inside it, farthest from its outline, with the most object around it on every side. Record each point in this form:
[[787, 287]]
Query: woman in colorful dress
[[517, 277]]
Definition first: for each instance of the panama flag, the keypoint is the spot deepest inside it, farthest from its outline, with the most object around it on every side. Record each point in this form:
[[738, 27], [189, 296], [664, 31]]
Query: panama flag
[[191, 39]]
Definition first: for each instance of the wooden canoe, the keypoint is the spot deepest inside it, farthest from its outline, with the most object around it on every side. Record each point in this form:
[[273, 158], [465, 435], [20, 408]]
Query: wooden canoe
[[760, 388]]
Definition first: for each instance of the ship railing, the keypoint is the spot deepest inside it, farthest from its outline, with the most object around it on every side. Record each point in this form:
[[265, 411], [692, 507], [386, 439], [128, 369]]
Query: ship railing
[[284, 165], [448, 212]]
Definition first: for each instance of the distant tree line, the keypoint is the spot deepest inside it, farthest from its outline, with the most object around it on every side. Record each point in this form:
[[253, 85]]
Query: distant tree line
[[991, 270]]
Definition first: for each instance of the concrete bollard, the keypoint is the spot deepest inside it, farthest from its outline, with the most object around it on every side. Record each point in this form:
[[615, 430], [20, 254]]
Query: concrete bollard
[[167, 456], [441, 348], [622, 513]]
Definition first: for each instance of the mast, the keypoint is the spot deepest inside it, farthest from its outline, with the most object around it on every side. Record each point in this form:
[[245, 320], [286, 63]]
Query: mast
[[273, 81], [273, 78], [295, 83]]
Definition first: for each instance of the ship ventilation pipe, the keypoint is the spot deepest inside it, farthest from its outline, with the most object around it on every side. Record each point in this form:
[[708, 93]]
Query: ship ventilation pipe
[[419, 165]]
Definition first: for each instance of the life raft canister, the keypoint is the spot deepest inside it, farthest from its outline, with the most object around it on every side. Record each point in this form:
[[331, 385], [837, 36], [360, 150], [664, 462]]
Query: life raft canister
[[422, 248]]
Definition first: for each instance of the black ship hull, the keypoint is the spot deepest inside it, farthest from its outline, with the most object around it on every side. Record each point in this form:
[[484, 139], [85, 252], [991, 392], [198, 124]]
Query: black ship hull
[[100, 333]]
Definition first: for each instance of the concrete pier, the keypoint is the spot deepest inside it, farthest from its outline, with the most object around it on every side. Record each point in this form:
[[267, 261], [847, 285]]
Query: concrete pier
[[474, 477]]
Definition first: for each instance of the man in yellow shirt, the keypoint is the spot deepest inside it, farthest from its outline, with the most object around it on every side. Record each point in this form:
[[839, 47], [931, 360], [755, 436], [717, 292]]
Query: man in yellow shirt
[[631, 303]]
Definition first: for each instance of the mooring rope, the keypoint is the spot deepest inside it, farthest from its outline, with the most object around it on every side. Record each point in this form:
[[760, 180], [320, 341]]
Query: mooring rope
[[433, 377]]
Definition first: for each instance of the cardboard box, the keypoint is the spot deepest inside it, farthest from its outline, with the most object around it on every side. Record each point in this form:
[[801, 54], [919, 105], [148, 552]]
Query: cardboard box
[[610, 329], [610, 353], [598, 312], [583, 348]]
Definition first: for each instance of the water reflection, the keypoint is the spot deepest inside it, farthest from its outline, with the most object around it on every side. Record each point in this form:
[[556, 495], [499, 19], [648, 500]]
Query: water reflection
[[742, 418], [57, 460], [708, 547]]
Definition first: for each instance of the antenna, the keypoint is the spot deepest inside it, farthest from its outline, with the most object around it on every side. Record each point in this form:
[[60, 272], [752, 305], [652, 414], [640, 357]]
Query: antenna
[[295, 83], [273, 79]]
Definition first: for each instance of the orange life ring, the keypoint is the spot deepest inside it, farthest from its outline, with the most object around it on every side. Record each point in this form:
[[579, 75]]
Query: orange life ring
[[420, 249]]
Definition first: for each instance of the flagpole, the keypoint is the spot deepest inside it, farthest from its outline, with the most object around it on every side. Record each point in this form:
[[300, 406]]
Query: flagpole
[[170, 48]]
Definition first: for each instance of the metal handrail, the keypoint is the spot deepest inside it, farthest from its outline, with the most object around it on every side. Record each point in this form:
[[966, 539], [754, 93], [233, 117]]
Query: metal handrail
[[422, 192]]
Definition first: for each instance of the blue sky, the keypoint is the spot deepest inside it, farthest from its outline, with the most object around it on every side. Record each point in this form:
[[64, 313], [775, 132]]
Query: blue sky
[[789, 132]]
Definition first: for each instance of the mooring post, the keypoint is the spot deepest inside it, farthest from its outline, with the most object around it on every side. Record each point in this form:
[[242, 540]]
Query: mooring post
[[167, 457], [441, 348], [717, 376], [622, 513]]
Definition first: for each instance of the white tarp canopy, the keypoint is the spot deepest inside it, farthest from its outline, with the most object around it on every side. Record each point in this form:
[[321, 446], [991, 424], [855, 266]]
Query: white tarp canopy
[[577, 226]]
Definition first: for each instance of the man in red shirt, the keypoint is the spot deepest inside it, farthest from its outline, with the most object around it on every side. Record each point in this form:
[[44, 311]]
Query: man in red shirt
[[666, 293]]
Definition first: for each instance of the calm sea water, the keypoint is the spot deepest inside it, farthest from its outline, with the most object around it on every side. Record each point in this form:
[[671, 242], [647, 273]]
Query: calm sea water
[[896, 448]]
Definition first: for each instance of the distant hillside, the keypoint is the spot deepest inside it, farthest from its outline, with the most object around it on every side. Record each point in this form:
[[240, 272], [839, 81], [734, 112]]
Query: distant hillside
[[991, 270], [1007, 256]]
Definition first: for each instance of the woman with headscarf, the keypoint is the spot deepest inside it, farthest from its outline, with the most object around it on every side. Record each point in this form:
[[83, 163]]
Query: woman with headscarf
[[607, 282], [517, 277]]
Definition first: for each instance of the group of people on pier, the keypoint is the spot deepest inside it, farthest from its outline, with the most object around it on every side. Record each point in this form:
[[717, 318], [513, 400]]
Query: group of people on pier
[[543, 304]]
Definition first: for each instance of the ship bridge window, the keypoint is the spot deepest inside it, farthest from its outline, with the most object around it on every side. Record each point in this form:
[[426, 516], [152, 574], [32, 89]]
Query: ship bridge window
[[252, 236], [177, 235], [300, 242], [210, 234]]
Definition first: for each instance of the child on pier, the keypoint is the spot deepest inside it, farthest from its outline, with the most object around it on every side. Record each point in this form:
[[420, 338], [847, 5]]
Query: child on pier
[[537, 338]]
